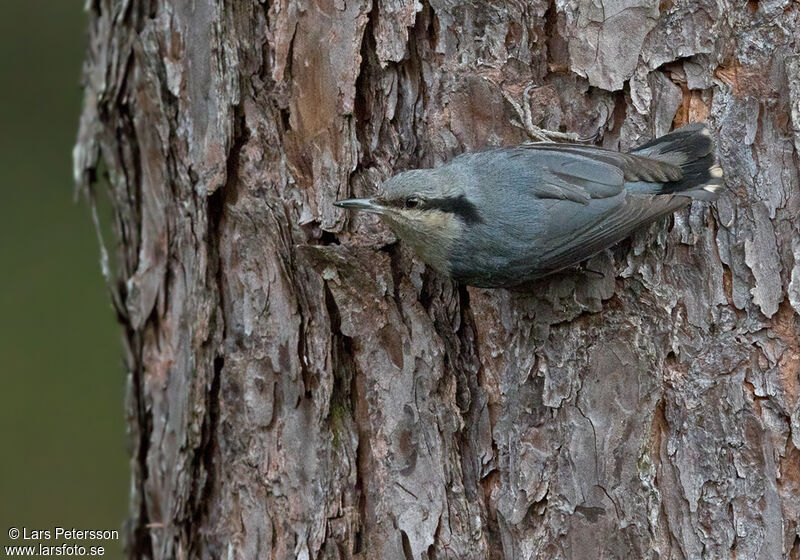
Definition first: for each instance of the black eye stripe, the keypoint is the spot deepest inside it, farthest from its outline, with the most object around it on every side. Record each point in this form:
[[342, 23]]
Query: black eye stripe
[[458, 205]]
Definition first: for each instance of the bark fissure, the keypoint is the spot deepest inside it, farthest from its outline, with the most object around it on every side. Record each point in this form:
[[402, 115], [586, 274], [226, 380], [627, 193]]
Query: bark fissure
[[138, 542], [204, 467]]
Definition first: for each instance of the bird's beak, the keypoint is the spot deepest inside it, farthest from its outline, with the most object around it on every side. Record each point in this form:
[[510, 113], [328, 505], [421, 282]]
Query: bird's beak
[[366, 204]]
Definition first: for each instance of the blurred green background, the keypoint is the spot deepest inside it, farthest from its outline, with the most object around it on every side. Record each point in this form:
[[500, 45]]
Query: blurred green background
[[62, 452]]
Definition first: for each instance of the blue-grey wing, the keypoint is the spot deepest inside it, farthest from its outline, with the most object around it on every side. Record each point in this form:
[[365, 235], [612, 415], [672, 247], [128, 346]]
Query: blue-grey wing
[[551, 206], [567, 171], [590, 232]]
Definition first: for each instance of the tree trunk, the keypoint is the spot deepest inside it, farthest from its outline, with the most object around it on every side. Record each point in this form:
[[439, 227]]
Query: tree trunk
[[301, 386]]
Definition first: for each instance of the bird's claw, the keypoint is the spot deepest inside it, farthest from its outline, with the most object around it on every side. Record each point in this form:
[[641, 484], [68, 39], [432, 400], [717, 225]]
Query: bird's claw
[[536, 133]]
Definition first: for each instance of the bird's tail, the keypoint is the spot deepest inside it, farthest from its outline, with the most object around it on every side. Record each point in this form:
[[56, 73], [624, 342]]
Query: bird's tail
[[692, 149]]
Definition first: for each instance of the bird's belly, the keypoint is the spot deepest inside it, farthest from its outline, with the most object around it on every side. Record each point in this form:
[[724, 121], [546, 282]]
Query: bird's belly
[[499, 271]]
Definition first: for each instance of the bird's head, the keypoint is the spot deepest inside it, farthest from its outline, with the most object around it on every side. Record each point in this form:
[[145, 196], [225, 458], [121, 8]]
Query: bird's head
[[426, 209]]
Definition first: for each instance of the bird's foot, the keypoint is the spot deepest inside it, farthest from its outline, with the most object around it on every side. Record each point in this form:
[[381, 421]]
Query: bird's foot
[[536, 133]]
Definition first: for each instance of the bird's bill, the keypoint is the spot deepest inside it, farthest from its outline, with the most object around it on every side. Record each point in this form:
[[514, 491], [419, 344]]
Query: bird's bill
[[366, 204]]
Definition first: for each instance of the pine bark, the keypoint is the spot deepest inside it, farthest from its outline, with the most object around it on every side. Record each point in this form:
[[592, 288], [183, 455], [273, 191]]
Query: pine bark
[[301, 386]]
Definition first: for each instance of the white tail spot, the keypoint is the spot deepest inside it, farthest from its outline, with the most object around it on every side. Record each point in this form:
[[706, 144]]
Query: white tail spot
[[716, 172]]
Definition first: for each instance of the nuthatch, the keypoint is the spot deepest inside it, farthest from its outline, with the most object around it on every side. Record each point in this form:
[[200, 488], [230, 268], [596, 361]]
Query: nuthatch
[[504, 216]]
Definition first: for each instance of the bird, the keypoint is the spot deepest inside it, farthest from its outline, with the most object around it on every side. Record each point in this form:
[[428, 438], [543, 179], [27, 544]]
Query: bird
[[504, 216]]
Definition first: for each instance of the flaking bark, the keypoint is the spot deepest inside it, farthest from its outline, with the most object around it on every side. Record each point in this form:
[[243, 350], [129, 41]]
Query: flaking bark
[[300, 386]]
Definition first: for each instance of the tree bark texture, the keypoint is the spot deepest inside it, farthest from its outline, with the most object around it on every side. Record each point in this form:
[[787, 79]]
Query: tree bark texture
[[301, 386]]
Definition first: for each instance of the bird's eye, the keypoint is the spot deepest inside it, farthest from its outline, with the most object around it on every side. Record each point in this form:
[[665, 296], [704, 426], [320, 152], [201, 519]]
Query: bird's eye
[[412, 202]]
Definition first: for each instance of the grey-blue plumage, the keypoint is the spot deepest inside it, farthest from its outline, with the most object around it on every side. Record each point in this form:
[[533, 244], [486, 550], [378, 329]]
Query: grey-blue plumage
[[504, 216]]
